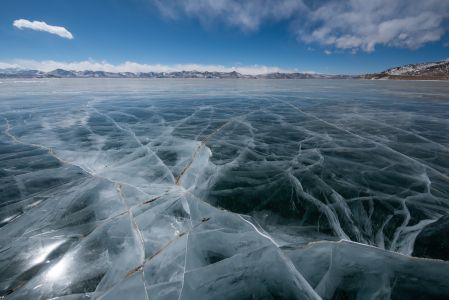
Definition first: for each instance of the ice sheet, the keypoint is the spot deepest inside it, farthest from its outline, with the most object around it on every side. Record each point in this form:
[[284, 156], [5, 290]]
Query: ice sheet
[[207, 189]]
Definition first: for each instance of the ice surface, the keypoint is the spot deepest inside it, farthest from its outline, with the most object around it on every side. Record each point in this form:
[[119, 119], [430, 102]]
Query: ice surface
[[205, 189]]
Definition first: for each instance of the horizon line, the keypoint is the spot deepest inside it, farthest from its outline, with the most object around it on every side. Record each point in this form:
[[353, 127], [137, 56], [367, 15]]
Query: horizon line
[[48, 66]]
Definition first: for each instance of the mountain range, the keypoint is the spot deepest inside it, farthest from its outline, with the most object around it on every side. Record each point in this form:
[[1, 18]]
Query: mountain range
[[60, 73], [426, 71]]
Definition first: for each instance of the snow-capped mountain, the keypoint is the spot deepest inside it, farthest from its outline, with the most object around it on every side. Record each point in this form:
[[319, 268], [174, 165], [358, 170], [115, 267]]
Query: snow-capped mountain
[[440, 68], [425, 71], [433, 70], [60, 73], [20, 73]]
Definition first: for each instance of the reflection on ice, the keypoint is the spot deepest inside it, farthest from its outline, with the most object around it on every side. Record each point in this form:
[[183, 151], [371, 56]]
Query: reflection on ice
[[44, 252], [57, 271], [220, 189]]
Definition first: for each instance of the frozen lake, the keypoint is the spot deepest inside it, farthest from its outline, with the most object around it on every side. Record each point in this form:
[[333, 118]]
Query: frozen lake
[[224, 189]]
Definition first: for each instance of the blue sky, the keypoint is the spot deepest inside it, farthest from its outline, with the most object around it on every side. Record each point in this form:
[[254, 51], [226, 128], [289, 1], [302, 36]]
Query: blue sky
[[354, 36]]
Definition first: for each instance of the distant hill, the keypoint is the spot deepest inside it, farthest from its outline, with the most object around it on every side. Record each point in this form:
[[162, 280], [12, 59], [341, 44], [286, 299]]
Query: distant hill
[[426, 71], [60, 73]]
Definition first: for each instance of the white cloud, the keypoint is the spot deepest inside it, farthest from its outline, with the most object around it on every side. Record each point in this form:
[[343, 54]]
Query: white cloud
[[50, 65], [247, 15], [349, 25], [4, 65], [360, 24], [42, 26], [327, 52]]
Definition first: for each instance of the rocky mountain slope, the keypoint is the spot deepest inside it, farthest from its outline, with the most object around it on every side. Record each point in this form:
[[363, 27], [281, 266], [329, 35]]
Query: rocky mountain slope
[[425, 71]]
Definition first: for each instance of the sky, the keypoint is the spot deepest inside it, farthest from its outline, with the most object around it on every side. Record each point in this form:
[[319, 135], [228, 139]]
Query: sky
[[252, 36]]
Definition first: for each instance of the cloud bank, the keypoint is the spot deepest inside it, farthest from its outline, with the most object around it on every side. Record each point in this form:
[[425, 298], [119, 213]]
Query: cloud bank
[[350, 24], [360, 24], [50, 65], [42, 26]]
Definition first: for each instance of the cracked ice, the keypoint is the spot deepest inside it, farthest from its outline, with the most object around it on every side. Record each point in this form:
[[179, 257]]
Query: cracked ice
[[207, 189]]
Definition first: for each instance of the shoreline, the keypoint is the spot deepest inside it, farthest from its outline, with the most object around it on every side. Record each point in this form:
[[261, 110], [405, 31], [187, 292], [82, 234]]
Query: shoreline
[[205, 78]]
